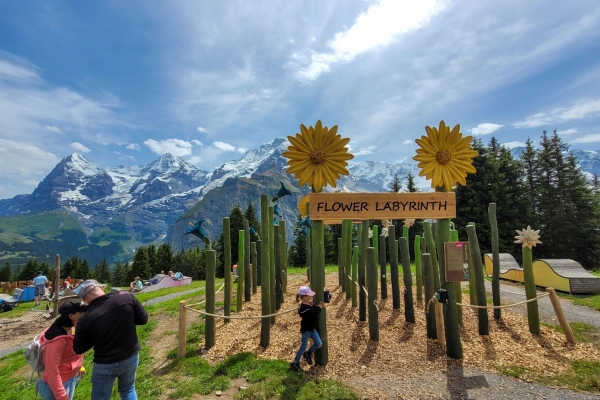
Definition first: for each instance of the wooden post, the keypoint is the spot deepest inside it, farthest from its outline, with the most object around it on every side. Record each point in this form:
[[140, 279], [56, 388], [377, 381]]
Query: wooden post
[[409, 311], [418, 268], [362, 267], [495, 260], [560, 315], [182, 329], [254, 264], [241, 268], [429, 292], [382, 267], [265, 279], [247, 270], [439, 323], [56, 287], [277, 256], [475, 254], [347, 255], [393, 245], [318, 282], [273, 286], [284, 257], [372, 297], [209, 322], [227, 269], [354, 276]]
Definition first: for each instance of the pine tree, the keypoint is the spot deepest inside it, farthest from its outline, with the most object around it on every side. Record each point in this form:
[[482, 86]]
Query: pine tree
[[102, 272], [236, 224], [396, 185], [529, 160], [30, 270], [153, 259], [83, 272], [6, 272], [118, 275], [250, 215], [70, 267], [297, 251], [164, 258], [140, 266]]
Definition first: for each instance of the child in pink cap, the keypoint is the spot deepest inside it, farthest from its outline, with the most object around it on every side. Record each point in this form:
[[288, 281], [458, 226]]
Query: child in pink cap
[[308, 327]]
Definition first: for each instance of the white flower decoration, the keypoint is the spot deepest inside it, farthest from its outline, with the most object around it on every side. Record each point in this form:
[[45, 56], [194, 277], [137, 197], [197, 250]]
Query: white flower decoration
[[386, 224], [528, 237], [409, 222]]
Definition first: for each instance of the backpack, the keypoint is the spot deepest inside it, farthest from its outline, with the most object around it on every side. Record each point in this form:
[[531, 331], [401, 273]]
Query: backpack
[[4, 306], [33, 356]]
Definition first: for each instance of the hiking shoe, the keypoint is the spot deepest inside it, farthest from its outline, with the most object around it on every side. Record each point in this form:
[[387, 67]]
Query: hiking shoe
[[295, 367], [308, 357]]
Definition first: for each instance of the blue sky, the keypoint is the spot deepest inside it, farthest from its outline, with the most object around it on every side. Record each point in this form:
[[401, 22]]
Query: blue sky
[[123, 82]]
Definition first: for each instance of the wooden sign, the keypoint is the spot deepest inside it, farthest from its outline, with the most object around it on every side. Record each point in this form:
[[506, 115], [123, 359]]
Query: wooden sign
[[361, 206], [456, 260]]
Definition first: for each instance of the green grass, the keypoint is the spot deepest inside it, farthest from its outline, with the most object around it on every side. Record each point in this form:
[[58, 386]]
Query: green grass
[[592, 301], [584, 376], [511, 370], [142, 297], [583, 332]]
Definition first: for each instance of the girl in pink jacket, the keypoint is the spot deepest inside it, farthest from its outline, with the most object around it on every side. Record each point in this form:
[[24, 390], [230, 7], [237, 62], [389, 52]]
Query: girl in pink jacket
[[61, 364]]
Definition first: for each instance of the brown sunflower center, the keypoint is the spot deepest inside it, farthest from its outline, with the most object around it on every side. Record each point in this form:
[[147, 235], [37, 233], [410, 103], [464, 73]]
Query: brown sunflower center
[[317, 156], [444, 157]]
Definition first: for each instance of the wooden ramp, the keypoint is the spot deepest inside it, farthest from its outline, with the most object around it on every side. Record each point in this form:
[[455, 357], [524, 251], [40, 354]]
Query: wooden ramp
[[565, 275], [509, 267]]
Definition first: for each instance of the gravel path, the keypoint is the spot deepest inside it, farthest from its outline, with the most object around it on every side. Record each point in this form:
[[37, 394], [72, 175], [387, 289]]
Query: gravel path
[[574, 313]]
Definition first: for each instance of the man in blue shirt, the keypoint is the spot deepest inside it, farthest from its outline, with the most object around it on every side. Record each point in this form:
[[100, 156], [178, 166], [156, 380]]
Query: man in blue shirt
[[40, 287]]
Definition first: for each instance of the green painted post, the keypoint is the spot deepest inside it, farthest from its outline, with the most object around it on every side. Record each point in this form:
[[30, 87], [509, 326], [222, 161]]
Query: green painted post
[[431, 249], [533, 316], [453, 343], [227, 268], [362, 266], [472, 291], [318, 276], [405, 230], [272, 284], [382, 267], [418, 268], [241, 270], [495, 260], [372, 281], [254, 266], [393, 245], [347, 239], [209, 322], [354, 276], [376, 243], [409, 310], [265, 325], [457, 285], [309, 249], [341, 279], [258, 261], [247, 271], [475, 254], [429, 293], [277, 255], [283, 242]]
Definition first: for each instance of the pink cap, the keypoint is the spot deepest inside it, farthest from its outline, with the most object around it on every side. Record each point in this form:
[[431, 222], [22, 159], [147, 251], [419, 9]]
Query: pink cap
[[305, 291]]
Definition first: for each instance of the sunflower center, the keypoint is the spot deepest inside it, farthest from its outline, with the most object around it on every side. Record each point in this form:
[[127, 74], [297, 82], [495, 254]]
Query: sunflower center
[[317, 156], [444, 157]]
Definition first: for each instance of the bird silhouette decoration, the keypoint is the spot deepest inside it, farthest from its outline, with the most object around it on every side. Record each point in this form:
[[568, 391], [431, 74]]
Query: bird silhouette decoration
[[306, 223], [197, 230], [283, 191], [276, 211]]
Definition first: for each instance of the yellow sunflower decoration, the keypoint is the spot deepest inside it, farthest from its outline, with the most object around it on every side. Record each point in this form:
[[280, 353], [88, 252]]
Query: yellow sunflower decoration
[[445, 156], [318, 156], [302, 205]]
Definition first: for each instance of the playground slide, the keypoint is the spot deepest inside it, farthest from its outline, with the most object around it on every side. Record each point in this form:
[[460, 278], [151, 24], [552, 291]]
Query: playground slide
[[509, 267], [162, 282], [565, 275]]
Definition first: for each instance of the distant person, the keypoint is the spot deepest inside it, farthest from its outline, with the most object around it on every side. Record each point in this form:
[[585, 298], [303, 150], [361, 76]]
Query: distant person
[[136, 285], [40, 287], [108, 326], [62, 366], [68, 283], [171, 274], [308, 327]]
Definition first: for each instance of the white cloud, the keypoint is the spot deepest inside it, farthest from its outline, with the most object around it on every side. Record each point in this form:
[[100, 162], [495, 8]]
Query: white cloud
[[202, 130], [53, 129], [133, 146], [569, 131], [223, 146], [195, 160], [22, 166], [593, 138], [408, 141], [581, 109], [242, 150], [365, 150], [177, 147], [514, 144], [197, 142], [485, 129], [379, 26], [79, 147]]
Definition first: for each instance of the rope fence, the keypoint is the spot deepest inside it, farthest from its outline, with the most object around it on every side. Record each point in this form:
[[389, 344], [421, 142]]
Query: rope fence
[[241, 317], [507, 305]]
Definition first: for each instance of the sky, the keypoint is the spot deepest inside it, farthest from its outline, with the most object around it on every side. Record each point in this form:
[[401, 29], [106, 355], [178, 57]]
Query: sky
[[123, 82]]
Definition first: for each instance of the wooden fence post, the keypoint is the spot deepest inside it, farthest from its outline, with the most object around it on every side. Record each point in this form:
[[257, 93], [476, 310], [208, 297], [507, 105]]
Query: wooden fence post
[[182, 329], [560, 315]]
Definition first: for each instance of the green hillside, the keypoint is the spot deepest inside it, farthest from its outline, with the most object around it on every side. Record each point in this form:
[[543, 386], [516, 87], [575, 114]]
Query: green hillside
[[43, 236]]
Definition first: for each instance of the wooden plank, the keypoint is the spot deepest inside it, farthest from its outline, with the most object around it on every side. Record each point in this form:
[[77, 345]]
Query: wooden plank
[[362, 206]]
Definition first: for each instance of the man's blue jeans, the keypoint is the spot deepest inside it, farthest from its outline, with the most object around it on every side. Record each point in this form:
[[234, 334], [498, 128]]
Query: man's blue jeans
[[104, 375], [314, 335]]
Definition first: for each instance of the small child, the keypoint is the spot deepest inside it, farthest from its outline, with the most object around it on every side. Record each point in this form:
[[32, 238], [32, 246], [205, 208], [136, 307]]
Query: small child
[[308, 327]]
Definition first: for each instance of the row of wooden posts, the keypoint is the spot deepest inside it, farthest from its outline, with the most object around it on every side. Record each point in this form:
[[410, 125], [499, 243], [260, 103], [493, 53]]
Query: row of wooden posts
[[358, 276]]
